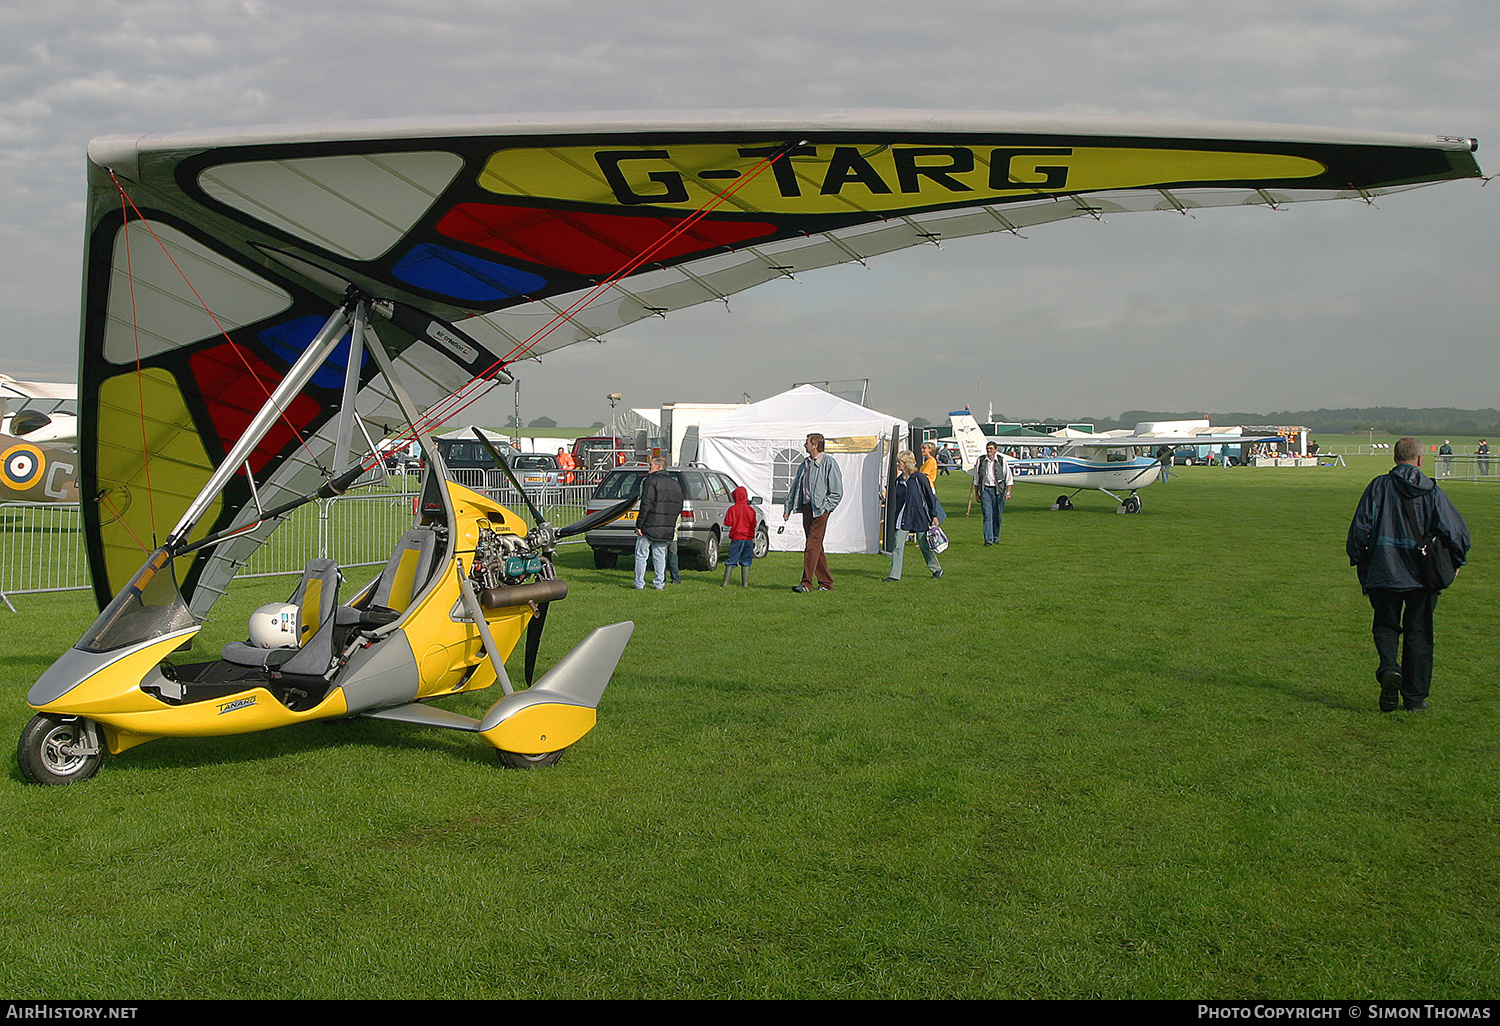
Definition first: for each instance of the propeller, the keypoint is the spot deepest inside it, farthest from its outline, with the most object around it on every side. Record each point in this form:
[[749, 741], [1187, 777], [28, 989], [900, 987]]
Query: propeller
[[598, 517], [534, 638], [545, 538], [549, 533]]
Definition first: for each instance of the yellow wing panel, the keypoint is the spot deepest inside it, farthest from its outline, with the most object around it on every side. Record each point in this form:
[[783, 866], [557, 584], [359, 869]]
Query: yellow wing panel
[[144, 499], [873, 176]]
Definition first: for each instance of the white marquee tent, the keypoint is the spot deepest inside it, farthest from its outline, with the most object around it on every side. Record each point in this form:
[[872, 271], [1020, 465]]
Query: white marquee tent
[[760, 446]]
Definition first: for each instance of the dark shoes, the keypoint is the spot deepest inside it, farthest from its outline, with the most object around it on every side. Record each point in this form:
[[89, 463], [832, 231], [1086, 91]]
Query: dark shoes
[[802, 588], [1417, 705], [1390, 689]]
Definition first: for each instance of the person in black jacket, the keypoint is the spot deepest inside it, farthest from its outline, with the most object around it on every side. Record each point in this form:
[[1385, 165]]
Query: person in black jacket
[[915, 509], [656, 521], [1397, 511]]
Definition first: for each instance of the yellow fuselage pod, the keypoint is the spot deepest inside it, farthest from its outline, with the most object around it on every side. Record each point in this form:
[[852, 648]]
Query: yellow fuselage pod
[[446, 647], [446, 644], [112, 696]]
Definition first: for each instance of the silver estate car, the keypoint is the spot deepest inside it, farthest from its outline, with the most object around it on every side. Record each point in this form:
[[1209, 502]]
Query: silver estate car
[[707, 496]]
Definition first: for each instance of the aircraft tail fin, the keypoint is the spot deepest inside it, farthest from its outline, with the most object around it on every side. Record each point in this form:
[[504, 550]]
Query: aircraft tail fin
[[970, 438]]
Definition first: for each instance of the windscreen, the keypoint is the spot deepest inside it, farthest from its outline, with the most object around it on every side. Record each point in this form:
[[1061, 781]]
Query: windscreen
[[150, 606], [620, 486]]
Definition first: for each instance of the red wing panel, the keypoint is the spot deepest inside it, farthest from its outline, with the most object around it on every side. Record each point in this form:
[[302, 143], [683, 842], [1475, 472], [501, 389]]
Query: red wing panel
[[234, 384], [583, 243]]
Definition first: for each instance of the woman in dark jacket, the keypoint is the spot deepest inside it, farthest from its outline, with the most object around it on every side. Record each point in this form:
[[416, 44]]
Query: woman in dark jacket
[[915, 508]]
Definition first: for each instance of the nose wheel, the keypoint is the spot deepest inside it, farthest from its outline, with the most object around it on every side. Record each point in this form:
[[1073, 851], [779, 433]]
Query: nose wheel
[[59, 749], [519, 760], [1132, 503]]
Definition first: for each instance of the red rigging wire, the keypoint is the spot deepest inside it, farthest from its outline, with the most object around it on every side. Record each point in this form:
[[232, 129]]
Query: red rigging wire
[[140, 388], [125, 201], [451, 405], [441, 412]]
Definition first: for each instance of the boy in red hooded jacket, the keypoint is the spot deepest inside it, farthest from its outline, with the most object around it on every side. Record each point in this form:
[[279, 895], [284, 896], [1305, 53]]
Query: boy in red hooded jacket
[[742, 521]]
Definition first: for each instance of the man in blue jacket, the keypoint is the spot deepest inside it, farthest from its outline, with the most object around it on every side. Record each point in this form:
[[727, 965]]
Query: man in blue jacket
[[1396, 512], [816, 491]]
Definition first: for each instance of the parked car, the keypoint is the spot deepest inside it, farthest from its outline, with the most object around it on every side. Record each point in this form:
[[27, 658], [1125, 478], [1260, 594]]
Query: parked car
[[537, 470], [467, 453], [707, 496]]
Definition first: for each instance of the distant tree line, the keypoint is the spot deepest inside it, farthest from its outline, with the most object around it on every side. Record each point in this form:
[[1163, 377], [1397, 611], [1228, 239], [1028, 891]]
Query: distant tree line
[[1387, 420], [1384, 419]]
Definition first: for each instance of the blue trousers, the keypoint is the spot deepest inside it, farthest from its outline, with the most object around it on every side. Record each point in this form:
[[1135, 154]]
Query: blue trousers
[[991, 508], [657, 550], [741, 552]]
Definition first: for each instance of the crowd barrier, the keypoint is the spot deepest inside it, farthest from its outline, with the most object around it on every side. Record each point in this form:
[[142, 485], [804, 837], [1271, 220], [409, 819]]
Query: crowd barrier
[[41, 549], [41, 544], [1461, 467]]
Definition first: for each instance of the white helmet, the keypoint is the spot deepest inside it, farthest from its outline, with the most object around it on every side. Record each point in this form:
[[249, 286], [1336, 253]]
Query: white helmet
[[278, 625]]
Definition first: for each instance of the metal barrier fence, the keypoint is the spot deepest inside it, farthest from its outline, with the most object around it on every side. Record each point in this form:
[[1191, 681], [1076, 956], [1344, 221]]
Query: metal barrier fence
[[41, 544], [1461, 467], [561, 504], [41, 549]]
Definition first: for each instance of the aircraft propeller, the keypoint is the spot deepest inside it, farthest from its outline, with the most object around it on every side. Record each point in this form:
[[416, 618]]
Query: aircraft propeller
[[545, 537]]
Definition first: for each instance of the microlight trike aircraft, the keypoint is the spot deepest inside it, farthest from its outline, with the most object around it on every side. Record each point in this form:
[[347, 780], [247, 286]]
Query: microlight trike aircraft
[[259, 303]]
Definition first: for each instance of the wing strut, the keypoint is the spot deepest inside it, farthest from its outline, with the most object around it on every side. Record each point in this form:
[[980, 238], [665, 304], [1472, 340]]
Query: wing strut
[[270, 411]]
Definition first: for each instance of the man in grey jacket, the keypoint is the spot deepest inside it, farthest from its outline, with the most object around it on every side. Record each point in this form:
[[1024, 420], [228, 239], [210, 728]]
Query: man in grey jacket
[[1397, 511], [816, 491]]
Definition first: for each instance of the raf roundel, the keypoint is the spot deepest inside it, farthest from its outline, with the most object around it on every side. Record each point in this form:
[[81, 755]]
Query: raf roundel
[[23, 466]]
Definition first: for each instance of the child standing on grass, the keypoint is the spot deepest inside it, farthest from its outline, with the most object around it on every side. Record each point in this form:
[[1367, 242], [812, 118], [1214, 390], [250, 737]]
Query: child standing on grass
[[741, 521]]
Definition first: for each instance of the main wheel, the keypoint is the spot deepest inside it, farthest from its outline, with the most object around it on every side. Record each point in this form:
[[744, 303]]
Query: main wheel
[[762, 542], [519, 760], [58, 750]]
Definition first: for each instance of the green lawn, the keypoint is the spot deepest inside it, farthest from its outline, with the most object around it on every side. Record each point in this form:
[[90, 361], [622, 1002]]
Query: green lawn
[[1115, 756]]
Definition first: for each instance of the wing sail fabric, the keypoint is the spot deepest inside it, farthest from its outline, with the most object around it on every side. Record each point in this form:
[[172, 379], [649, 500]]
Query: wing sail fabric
[[212, 259]]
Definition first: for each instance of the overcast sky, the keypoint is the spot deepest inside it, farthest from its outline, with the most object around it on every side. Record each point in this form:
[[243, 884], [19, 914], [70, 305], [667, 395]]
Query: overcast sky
[[1317, 305]]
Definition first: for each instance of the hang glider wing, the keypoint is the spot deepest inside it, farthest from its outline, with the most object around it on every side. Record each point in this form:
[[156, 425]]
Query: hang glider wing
[[213, 258]]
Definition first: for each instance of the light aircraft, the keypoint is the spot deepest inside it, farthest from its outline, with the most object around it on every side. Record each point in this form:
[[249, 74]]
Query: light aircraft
[[257, 300], [34, 410], [1110, 464], [32, 472], [37, 463]]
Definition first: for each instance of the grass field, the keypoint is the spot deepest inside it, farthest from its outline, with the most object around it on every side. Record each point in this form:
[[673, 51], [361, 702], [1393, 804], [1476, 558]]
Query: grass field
[[1116, 756]]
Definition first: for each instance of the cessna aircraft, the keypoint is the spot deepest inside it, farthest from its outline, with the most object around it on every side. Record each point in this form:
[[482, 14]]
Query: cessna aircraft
[[1105, 463]]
